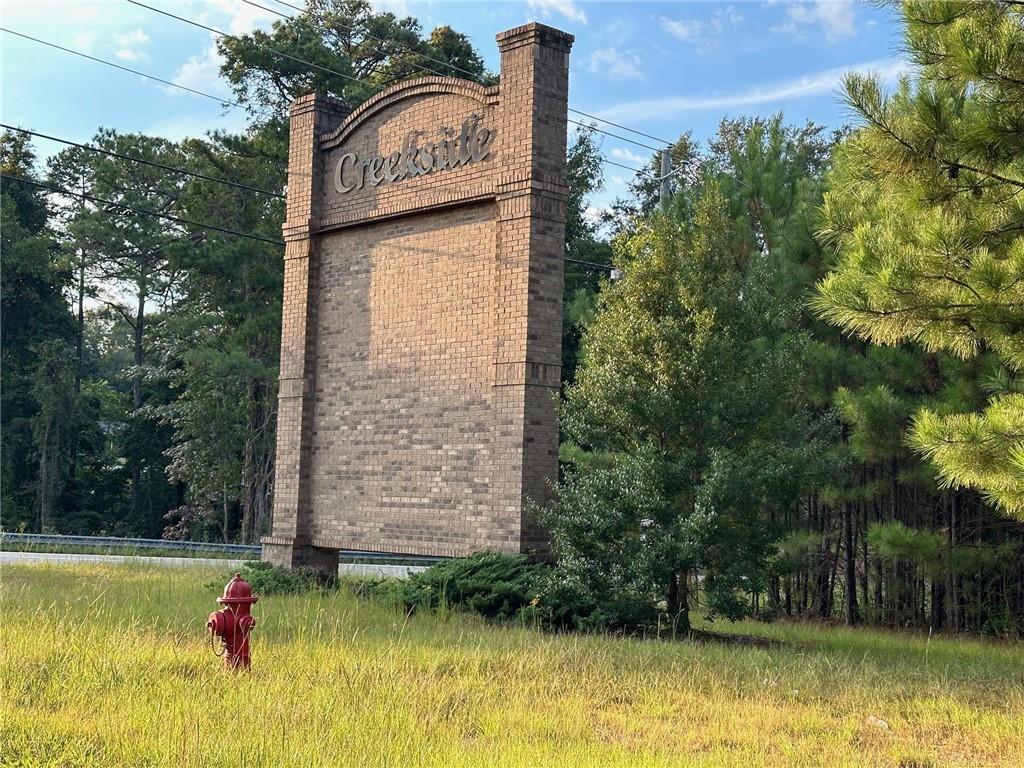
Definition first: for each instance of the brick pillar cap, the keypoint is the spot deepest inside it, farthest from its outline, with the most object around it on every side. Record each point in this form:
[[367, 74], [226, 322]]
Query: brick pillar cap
[[317, 101], [534, 33]]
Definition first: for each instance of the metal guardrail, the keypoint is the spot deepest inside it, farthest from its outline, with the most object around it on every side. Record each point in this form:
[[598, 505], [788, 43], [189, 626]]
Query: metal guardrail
[[107, 542]]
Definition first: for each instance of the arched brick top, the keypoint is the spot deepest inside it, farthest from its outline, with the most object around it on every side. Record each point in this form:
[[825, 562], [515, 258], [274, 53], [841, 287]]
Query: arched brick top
[[421, 86]]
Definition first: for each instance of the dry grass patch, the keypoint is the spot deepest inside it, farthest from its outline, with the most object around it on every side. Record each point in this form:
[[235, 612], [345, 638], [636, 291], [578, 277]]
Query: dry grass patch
[[109, 666]]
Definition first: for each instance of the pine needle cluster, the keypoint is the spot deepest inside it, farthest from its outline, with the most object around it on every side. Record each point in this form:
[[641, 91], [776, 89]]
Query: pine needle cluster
[[925, 209]]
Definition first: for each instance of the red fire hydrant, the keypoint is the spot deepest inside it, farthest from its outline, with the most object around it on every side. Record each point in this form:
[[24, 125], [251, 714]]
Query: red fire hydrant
[[232, 624]]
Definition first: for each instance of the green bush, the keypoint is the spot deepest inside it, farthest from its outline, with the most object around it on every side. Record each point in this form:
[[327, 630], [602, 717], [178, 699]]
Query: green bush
[[495, 585], [267, 579], [387, 590]]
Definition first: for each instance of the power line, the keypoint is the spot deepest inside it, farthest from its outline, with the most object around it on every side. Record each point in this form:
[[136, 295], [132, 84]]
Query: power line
[[641, 171], [270, 48], [616, 136], [141, 211], [351, 29], [126, 69], [190, 222], [623, 127], [228, 102], [458, 69], [414, 53], [592, 264], [193, 90], [120, 156]]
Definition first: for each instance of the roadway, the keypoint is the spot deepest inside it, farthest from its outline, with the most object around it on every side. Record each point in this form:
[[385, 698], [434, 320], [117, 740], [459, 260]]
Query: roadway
[[373, 570]]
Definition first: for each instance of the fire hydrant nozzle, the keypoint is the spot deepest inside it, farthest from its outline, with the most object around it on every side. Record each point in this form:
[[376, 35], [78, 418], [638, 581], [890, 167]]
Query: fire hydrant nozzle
[[233, 623]]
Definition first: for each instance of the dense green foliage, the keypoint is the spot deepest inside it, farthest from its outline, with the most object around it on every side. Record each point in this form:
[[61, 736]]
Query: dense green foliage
[[793, 461], [926, 213], [725, 446], [689, 388], [37, 331], [155, 413], [266, 579], [492, 584]]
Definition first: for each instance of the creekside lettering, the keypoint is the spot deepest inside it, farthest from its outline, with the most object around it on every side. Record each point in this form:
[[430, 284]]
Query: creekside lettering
[[472, 143]]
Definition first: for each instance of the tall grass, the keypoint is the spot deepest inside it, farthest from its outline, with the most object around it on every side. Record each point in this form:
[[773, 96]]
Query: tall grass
[[110, 666]]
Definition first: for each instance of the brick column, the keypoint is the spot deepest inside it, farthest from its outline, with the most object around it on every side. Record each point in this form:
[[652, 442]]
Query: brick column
[[310, 117], [531, 199]]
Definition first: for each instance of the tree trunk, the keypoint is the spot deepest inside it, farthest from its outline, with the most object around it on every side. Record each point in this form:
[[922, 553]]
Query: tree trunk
[[879, 600], [866, 564], [45, 492], [850, 564], [683, 622], [955, 619], [79, 361], [138, 358]]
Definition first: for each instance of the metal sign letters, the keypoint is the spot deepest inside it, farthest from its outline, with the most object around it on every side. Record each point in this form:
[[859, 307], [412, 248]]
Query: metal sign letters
[[454, 148]]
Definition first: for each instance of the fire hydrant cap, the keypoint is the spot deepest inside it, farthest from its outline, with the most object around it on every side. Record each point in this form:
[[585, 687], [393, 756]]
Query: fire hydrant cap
[[237, 591]]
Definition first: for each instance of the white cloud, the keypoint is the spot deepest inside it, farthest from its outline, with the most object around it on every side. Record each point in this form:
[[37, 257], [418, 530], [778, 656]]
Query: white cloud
[[243, 17], [201, 73], [194, 126], [129, 45], [134, 38], [835, 18], [813, 84], [398, 7], [566, 8], [85, 42], [629, 156], [686, 30], [702, 35], [616, 64]]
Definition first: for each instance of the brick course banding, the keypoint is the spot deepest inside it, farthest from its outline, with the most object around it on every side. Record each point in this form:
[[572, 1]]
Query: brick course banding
[[421, 333]]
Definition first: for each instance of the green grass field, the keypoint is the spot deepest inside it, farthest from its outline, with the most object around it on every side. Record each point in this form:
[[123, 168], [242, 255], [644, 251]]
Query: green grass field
[[72, 549], [110, 666]]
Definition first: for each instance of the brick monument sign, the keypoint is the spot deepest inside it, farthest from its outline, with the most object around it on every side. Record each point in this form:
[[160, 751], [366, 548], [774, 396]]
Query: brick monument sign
[[421, 338]]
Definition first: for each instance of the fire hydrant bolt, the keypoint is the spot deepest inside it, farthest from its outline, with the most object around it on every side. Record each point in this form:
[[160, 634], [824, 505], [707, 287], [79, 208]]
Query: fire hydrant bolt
[[233, 623]]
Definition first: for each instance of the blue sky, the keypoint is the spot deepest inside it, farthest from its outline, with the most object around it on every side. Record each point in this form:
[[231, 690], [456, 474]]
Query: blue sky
[[660, 67]]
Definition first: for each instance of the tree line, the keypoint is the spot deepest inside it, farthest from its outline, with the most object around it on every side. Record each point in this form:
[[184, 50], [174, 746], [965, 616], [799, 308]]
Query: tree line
[[802, 398], [140, 350]]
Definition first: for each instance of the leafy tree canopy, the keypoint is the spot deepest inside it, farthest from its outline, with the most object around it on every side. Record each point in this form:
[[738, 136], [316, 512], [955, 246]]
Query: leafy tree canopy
[[925, 210]]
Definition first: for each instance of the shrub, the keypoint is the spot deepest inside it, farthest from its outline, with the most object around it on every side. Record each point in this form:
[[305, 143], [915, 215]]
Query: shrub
[[387, 590], [492, 584], [267, 579]]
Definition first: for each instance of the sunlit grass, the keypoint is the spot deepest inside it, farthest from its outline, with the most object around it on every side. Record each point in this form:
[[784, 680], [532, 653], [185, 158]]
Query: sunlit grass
[[124, 550], [109, 665]]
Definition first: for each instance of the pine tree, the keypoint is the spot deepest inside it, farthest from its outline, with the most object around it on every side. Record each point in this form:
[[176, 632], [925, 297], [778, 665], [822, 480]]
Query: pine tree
[[36, 328], [926, 213]]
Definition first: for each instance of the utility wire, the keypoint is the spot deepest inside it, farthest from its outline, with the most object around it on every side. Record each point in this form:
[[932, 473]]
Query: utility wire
[[202, 93], [415, 64], [171, 168], [641, 171], [224, 101], [126, 69], [228, 101], [460, 69], [592, 264], [141, 211], [623, 127], [270, 48], [191, 223], [616, 136], [381, 40]]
